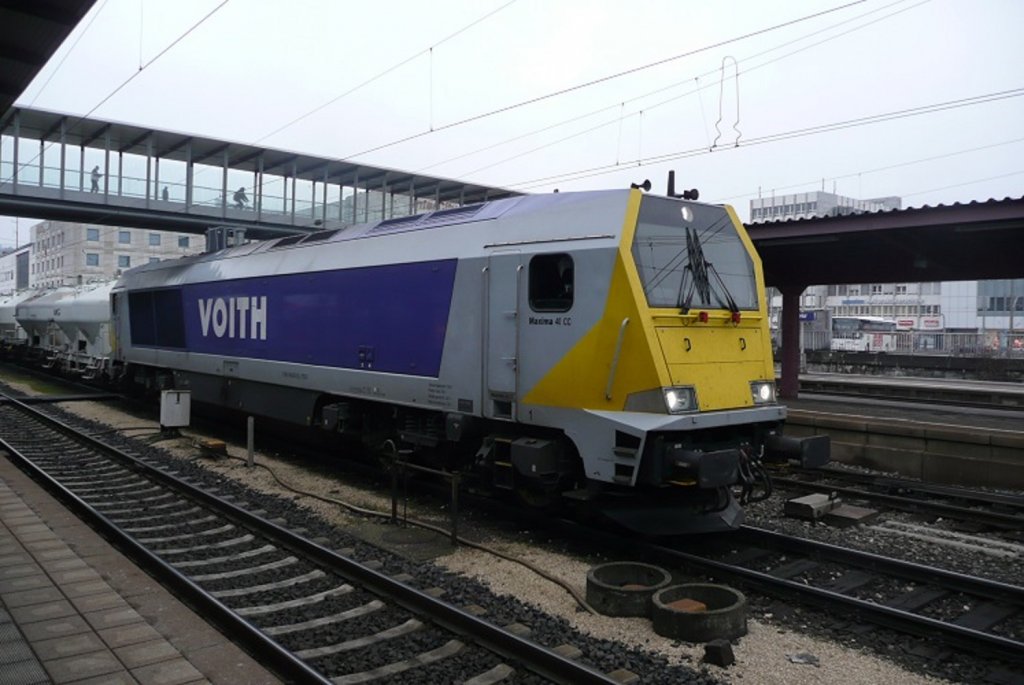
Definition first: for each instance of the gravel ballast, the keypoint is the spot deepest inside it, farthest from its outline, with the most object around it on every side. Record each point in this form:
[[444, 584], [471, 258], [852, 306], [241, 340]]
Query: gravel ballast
[[769, 653]]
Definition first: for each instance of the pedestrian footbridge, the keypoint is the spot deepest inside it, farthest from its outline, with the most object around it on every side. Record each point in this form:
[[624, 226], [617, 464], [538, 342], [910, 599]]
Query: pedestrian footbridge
[[64, 167]]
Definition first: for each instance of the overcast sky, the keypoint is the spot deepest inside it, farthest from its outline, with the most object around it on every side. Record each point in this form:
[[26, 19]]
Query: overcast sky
[[256, 66]]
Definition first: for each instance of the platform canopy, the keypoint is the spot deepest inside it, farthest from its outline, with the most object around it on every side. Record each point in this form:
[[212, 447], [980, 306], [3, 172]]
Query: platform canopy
[[31, 32], [958, 242]]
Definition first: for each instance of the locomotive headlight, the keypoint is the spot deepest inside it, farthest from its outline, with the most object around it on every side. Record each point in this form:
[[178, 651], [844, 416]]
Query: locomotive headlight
[[680, 400], [763, 392]]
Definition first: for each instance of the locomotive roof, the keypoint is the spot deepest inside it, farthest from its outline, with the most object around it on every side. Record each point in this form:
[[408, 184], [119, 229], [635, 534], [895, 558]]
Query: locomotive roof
[[588, 219]]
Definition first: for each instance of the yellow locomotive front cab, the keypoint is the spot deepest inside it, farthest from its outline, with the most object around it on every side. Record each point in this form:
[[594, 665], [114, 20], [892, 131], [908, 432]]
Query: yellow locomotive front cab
[[673, 389], [699, 282]]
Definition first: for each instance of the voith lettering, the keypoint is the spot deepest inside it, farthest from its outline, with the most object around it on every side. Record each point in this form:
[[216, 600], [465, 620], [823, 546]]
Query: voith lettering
[[234, 317]]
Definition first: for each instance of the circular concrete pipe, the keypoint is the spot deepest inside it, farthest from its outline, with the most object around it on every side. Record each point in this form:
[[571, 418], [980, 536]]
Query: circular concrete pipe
[[624, 588], [699, 612]]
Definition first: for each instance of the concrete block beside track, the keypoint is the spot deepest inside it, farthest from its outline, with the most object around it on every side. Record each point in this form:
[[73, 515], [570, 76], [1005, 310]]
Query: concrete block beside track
[[853, 424], [847, 453], [958, 436], [1008, 441], [942, 454], [903, 461], [906, 429], [986, 471], [895, 440]]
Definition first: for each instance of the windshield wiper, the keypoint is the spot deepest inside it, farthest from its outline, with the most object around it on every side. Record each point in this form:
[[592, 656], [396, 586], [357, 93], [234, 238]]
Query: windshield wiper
[[699, 269]]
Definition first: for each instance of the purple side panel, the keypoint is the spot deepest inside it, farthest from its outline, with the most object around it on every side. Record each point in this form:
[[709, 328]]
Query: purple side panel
[[389, 318]]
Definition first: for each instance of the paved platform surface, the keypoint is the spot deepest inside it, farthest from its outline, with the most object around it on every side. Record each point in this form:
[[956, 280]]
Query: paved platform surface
[[75, 610]]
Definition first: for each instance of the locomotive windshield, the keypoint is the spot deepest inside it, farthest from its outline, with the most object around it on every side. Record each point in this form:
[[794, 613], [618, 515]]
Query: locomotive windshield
[[690, 255]]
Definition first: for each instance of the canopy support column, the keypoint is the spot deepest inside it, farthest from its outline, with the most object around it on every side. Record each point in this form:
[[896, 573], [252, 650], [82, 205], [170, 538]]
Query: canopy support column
[[790, 386]]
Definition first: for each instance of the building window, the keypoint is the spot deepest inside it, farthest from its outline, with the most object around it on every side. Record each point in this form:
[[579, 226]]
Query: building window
[[183, 241], [92, 258], [92, 234], [154, 239], [124, 237], [876, 288], [123, 261], [154, 260], [901, 289]]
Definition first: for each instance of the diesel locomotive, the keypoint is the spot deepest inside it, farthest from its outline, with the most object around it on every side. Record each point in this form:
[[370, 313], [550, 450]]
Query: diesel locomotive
[[607, 350]]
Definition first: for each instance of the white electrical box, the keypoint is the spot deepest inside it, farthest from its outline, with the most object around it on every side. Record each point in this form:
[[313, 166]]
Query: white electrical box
[[175, 408]]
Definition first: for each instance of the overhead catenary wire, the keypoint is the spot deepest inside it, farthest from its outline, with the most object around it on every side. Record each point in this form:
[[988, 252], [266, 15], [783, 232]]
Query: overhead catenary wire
[[142, 27], [142, 67], [297, 119], [696, 90], [966, 183], [603, 79], [429, 50], [721, 100], [67, 53], [865, 172], [779, 136], [124, 83], [651, 106], [450, 36]]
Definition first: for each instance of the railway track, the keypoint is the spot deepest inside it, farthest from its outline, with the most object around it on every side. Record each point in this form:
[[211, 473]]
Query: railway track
[[981, 617], [966, 612], [1002, 511], [313, 614], [973, 614]]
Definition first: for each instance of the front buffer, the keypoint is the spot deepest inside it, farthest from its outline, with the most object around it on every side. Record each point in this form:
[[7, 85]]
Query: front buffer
[[670, 475]]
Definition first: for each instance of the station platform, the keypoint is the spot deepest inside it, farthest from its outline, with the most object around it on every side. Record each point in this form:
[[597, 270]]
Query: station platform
[[75, 610]]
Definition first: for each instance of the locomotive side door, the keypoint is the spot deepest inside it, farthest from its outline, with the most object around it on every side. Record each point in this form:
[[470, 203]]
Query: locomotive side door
[[504, 272]]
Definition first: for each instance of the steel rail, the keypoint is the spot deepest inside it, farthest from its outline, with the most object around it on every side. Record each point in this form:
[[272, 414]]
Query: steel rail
[[535, 658], [995, 518], [905, 621], [269, 651], [905, 569], [950, 491]]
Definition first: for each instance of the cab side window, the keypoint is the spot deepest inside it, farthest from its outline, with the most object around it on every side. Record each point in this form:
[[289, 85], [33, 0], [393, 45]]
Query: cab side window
[[552, 281]]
